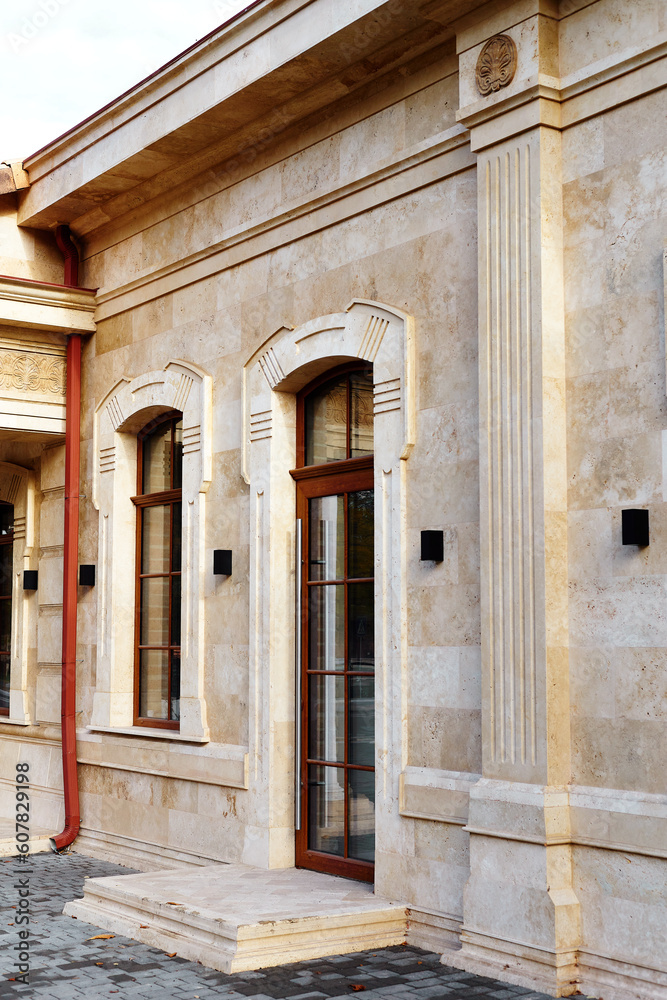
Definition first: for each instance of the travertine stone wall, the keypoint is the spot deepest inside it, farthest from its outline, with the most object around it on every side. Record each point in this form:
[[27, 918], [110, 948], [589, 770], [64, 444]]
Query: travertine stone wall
[[26, 253], [287, 168], [521, 231], [384, 254], [601, 381], [615, 223]]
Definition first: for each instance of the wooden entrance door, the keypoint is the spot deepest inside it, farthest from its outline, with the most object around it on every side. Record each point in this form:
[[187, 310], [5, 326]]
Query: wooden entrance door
[[335, 505]]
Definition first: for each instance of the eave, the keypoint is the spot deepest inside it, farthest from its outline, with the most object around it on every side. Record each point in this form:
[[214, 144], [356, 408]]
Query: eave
[[278, 62]]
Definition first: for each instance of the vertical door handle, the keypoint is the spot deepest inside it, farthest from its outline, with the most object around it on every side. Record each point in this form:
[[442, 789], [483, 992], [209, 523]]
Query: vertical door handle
[[298, 645]]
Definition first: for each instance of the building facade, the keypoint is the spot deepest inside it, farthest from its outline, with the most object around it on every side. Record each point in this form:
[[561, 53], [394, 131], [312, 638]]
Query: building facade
[[351, 273]]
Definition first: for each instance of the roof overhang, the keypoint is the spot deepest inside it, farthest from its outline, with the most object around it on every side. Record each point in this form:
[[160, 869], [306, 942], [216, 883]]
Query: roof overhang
[[273, 65]]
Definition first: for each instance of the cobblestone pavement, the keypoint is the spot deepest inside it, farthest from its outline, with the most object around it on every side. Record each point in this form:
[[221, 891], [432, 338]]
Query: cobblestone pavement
[[65, 963]]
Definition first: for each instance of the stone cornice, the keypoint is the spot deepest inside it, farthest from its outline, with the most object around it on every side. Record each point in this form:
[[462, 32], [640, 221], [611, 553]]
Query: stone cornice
[[492, 19], [43, 306], [445, 154], [545, 100], [482, 111]]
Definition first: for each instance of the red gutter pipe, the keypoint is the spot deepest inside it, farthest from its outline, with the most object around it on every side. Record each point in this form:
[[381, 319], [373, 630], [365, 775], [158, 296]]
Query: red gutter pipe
[[71, 557], [70, 254]]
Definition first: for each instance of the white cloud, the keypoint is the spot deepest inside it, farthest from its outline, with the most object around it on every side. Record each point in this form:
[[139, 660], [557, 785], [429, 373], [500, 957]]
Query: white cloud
[[62, 60]]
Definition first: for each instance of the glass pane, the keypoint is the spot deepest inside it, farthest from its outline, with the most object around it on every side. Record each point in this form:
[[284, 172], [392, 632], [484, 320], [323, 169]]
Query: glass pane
[[154, 684], [360, 533], [326, 718], [326, 529], [326, 423], [6, 569], [155, 528], [175, 686], [361, 815], [326, 628], [156, 460], [155, 611], [178, 455], [5, 625], [176, 538], [175, 611], [361, 627], [361, 709], [6, 518], [361, 414], [4, 682], [326, 809]]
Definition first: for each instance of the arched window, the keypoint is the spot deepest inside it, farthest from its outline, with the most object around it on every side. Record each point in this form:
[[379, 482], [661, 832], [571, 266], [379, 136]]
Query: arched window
[[335, 505], [335, 418], [6, 577], [158, 573]]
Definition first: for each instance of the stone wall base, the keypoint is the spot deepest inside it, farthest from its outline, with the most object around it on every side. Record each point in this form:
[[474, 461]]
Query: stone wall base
[[135, 853], [516, 963], [614, 979], [433, 931]]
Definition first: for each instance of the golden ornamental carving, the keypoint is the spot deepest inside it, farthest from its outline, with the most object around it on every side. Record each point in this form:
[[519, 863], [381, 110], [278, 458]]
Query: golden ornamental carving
[[32, 373], [496, 64], [336, 405], [362, 408]]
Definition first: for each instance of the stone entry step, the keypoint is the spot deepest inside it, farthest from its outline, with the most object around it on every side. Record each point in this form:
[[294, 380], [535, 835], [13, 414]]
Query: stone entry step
[[236, 918]]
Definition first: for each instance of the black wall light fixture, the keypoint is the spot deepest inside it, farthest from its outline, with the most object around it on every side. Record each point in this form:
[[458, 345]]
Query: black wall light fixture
[[433, 547], [30, 579], [634, 527], [222, 562], [86, 576]]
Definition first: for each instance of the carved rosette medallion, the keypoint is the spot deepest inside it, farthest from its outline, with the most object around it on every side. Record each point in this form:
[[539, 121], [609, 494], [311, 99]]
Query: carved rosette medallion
[[496, 64]]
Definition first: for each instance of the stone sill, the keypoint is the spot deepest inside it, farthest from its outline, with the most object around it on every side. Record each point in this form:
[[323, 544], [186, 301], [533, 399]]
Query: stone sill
[[154, 734], [174, 756]]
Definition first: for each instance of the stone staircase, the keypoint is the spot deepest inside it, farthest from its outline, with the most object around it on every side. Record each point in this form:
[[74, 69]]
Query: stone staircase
[[235, 918]]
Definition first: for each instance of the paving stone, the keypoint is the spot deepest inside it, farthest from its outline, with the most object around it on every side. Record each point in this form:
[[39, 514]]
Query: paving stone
[[396, 990], [63, 959]]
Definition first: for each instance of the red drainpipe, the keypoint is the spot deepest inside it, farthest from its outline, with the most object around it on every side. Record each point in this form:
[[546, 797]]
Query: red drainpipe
[[70, 254], [71, 557]]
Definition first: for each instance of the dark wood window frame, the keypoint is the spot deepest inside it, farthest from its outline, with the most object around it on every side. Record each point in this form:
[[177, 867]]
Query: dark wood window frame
[[337, 477], [302, 470], [162, 498]]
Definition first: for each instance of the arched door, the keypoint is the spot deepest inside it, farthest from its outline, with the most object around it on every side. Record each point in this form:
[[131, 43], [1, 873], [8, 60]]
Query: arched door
[[335, 506]]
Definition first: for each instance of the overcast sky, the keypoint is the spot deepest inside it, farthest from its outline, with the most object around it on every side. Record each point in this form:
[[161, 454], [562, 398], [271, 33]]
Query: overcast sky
[[64, 59]]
